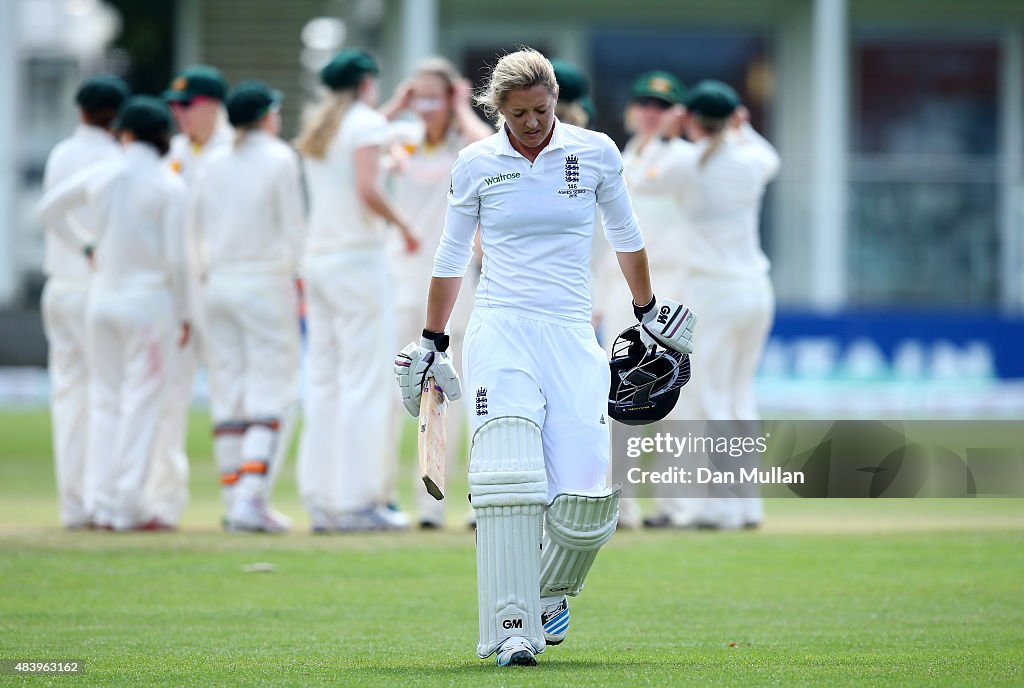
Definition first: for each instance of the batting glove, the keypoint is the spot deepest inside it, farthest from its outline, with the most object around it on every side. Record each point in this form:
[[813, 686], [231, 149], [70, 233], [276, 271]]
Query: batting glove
[[669, 324], [416, 362]]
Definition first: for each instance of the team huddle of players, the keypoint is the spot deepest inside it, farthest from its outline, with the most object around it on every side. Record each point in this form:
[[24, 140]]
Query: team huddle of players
[[166, 251]]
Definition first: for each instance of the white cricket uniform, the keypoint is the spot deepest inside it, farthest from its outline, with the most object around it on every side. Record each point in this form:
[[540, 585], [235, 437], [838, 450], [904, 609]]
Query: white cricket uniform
[[167, 490], [726, 278], [138, 298], [345, 464], [530, 349], [246, 221], [64, 302], [665, 236], [420, 181]]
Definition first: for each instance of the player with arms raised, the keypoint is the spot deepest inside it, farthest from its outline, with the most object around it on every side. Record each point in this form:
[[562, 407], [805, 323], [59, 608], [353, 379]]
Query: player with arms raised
[[538, 377]]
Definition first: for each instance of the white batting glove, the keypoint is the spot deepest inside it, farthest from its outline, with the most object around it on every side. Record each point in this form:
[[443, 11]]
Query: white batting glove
[[415, 363], [667, 323]]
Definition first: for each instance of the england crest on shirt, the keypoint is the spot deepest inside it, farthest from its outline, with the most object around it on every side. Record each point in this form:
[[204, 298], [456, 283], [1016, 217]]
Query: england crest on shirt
[[572, 177]]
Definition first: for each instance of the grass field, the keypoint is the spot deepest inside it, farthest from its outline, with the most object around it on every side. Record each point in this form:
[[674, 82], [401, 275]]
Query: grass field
[[840, 593]]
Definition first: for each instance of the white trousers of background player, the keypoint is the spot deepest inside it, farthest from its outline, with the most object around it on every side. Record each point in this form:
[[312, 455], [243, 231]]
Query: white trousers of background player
[[739, 313], [64, 307], [616, 306], [167, 488], [345, 463], [131, 336], [252, 347], [411, 309]]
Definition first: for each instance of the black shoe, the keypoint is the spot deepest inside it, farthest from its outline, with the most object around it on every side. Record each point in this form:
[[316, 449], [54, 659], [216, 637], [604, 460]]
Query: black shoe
[[427, 524]]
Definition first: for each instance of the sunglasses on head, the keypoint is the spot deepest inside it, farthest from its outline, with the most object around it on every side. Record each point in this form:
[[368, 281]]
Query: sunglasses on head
[[651, 101], [186, 104]]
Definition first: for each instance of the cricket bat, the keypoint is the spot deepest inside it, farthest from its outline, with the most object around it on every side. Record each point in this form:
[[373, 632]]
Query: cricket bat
[[432, 438]]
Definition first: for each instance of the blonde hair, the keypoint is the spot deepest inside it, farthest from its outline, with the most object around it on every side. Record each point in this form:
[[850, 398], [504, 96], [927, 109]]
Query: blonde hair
[[715, 127], [572, 113], [321, 121], [524, 68]]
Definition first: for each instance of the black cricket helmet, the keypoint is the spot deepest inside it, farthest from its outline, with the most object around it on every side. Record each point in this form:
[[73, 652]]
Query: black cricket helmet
[[645, 382]]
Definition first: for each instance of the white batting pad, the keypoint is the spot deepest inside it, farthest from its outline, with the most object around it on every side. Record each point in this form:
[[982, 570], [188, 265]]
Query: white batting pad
[[508, 487], [575, 528]]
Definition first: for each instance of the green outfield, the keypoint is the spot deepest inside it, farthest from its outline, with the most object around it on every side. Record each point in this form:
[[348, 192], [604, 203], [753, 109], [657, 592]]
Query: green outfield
[[841, 593]]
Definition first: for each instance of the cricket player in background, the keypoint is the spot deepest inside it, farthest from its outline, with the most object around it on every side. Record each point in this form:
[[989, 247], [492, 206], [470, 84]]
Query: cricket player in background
[[67, 268], [718, 179], [537, 377], [423, 153], [196, 97], [652, 95], [138, 309], [247, 218], [346, 466]]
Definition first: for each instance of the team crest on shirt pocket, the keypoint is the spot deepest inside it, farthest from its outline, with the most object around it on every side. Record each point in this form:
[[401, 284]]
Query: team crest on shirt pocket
[[572, 178]]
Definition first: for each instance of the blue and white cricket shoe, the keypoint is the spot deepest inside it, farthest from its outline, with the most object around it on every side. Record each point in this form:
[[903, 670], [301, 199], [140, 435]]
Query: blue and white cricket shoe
[[555, 619], [516, 651]]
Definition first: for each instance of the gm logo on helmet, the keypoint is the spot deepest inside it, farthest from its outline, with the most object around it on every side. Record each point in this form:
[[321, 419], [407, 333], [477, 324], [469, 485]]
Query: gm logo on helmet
[[509, 624]]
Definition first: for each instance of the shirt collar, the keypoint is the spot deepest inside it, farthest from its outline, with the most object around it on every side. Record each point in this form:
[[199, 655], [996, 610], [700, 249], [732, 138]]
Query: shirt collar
[[503, 146], [138, 149]]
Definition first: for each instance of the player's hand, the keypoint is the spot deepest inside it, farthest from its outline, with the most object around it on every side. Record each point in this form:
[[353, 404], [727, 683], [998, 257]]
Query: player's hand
[[671, 125], [740, 117], [669, 324], [411, 241], [414, 364], [186, 334], [462, 93]]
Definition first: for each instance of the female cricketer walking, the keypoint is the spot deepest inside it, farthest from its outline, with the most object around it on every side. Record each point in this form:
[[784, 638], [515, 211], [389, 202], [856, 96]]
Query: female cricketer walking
[[537, 378], [247, 218]]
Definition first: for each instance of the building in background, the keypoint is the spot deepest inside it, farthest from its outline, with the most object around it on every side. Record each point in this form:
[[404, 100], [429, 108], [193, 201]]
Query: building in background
[[895, 227]]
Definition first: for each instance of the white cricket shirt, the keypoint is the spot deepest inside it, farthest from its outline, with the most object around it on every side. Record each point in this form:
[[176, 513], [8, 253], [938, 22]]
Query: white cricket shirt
[[419, 181], [87, 146], [187, 158], [720, 202], [338, 219], [536, 221], [247, 209], [139, 205]]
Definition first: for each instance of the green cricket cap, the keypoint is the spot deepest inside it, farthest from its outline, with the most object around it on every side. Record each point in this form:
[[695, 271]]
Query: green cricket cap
[[572, 83], [144, 115], [661, 85], [250, 101], [195, 82], [103, 92], [712, 99], [347, 68]]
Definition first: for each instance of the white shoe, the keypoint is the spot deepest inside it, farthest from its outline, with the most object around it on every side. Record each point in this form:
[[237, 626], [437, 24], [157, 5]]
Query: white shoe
[[254, 515], [374, 518], [322, 521], [516, 651], [555, 619]]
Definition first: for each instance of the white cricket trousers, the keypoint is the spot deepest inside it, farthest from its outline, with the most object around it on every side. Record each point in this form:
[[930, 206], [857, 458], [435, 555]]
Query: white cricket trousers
[[345, 458], [131, 338], [167, 488], [735, 319], [64, 307], [554, 375], [252, 353]]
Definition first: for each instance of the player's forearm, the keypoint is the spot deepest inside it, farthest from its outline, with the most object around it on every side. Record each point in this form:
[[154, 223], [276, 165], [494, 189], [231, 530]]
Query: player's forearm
[[372, 197], [440, 301], [638, 277]]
